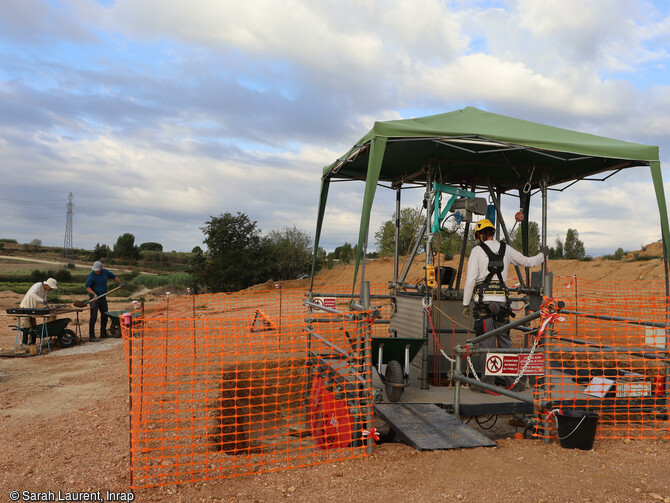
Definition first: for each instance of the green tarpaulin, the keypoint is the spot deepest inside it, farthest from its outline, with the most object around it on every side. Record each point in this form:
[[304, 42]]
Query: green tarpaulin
[[471, 147]]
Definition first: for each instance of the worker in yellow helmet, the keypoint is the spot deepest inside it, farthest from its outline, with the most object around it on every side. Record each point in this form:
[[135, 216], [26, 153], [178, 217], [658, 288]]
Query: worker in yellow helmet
[[488, 266]]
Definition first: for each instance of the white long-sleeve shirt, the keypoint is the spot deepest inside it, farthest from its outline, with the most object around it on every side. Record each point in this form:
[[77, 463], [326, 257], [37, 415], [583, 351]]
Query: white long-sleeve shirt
[[478, 268], [35, 297]]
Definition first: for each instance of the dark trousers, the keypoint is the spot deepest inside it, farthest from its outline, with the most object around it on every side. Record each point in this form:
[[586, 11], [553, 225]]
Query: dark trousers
[[502, 340], [29, 336], [98, 305]]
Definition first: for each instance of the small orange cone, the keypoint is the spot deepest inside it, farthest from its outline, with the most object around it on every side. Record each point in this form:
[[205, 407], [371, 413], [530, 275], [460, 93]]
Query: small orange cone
[[518, 436]]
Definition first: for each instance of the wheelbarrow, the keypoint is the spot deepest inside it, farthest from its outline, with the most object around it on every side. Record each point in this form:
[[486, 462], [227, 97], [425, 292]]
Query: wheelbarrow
[[115, 319], [56, 331], [115, 323], [395, 353]]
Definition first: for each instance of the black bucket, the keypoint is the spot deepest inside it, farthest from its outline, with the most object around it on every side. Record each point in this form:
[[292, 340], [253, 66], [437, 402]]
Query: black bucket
[[577, 429]]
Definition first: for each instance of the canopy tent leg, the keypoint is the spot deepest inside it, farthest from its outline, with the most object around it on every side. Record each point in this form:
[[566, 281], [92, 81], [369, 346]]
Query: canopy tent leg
[[464, 247], [423, 381], [545, 283], [396, 254], [417, 242], [524, 206], [504, 228]]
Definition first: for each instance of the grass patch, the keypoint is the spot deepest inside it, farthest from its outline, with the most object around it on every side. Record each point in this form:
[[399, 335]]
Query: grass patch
[[639, 258], [180, 279]]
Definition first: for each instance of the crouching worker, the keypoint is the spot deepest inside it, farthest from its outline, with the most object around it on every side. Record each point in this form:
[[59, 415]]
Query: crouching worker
[[487, 272], [35, 298]]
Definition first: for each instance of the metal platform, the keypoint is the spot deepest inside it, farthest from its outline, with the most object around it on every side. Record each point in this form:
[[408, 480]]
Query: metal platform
[[472, 403], [428, 427]]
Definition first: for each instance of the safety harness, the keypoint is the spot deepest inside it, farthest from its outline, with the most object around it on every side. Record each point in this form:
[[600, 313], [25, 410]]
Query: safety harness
[[492, 285]]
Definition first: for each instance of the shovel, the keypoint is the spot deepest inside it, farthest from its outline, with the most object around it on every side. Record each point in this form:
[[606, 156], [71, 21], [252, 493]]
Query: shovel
[[83, 304]]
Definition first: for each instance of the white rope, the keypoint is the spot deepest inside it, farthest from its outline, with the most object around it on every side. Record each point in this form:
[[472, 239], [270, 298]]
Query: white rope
[[425, 308], [472, 369], [525, 366]]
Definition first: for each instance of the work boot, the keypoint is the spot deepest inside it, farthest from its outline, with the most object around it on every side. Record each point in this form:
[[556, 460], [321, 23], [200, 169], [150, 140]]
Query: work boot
[[92, 338], [103, 335]]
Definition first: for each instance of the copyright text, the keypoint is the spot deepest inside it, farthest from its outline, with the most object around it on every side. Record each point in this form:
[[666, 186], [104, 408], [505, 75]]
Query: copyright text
[[99, 496]]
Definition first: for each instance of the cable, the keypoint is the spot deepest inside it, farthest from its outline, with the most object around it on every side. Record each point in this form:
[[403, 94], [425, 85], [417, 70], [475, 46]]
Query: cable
[[484, 423]]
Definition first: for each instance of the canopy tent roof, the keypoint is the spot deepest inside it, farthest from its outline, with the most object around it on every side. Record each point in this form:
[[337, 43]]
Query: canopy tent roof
[[474, 146], [471, 147]]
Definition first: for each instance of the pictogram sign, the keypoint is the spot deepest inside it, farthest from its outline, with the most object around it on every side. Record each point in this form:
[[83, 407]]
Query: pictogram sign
[[330, 302], [498, 364]]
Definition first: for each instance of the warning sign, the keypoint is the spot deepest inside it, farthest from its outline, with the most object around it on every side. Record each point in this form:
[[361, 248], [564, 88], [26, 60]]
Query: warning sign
[[329, 302], [633, 389], [498, 364]]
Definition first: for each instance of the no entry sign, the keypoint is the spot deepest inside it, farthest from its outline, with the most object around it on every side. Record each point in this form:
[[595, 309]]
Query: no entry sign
[[330, 302], [498, 364]]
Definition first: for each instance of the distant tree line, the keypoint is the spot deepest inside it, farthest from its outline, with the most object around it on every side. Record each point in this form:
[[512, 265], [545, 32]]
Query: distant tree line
[[124, 248], [449, 240]]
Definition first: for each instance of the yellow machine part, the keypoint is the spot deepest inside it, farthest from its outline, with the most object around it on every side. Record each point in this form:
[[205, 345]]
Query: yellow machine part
[[431, 281]]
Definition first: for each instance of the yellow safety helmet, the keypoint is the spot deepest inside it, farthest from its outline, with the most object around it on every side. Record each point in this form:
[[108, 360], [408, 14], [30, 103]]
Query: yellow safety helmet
[[483, 224]]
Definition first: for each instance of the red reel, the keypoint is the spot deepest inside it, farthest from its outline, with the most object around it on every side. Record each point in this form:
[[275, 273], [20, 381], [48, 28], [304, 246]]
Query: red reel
[[331, 423]]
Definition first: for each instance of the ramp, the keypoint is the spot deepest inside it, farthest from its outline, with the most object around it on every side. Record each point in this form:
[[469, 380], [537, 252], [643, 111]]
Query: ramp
[[426, 426]]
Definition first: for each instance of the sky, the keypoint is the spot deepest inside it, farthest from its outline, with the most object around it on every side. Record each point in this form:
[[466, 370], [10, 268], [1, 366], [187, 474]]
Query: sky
[[160, 114]]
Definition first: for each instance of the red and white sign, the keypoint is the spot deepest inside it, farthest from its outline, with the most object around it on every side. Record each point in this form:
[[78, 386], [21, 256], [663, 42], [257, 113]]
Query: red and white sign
[[329, 302], [499, 364]]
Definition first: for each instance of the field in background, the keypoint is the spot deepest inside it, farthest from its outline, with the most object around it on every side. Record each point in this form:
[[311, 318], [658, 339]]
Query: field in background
[[22, 265]]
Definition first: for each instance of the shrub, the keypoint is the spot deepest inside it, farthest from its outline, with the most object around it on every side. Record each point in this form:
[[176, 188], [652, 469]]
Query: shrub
[[618, 255], [639, 257], [61, 275], [180, 279]]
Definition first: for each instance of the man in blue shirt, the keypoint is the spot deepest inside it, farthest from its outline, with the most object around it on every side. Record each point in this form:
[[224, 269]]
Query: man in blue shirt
[[96, 285]]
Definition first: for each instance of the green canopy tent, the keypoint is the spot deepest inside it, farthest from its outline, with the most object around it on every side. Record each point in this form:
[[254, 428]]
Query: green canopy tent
[[474, 149]]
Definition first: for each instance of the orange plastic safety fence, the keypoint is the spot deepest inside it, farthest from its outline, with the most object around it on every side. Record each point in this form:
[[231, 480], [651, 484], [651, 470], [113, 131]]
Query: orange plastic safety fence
[[233, 384], [608, 355]]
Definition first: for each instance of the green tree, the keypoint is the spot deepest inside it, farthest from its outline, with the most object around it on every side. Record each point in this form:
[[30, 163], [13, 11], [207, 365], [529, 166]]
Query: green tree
[[451, 241], [151, 246], [289, 253], [101, 251], [125, 247], [533, 239], [556, 253], [234, 253], [321, 259], [36, 244], [385, 236], [330, 260], [573, 248], [197, 268], [346, 253]]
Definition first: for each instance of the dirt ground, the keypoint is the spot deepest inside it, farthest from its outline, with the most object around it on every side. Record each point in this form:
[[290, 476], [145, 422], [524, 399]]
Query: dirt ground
[[65, 428]]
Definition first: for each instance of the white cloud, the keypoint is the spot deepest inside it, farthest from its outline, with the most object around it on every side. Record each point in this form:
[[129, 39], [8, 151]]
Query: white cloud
[[165, 113]]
